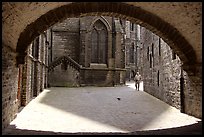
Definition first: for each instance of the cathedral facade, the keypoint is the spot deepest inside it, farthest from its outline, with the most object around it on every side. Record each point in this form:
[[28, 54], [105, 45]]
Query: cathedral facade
[[91, 51]]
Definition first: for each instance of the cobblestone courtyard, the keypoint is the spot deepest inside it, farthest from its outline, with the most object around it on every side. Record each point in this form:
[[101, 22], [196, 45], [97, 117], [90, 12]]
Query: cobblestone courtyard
[[119, 109]]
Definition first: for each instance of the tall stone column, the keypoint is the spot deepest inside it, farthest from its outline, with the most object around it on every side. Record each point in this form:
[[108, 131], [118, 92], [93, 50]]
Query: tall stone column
[[118, 49], [193, 90], [83, 36]]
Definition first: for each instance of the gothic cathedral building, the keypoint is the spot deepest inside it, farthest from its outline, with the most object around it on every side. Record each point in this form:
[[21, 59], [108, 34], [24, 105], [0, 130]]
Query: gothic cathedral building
[[91, 51]]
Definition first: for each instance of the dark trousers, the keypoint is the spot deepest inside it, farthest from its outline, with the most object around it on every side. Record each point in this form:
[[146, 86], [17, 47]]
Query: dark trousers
[[137, 85]]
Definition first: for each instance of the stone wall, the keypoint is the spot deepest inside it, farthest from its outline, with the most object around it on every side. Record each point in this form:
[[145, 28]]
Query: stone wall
[[193, 93], [34, 71], [102, 77], [26, 82], [130, 49], [9, 85], [66, 39], [59, 77], [162, 74]]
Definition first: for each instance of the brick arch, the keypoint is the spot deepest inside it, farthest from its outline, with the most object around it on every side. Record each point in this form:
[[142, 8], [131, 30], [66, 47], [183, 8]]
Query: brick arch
[[126, 11]]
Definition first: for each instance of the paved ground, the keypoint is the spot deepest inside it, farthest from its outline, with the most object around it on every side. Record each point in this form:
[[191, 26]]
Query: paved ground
[[101, 110]]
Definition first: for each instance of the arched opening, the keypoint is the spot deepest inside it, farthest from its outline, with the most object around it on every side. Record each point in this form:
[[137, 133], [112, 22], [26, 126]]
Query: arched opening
[[171, 35], [99, 43], [139, 16]]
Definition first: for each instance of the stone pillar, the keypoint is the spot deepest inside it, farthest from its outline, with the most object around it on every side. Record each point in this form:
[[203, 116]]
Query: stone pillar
[[38, 70], [118, 54], [111, 73], [26, 82], [9, 85], [87, 45], [20, 75], [83, 36], [109, 57], [193, 90]]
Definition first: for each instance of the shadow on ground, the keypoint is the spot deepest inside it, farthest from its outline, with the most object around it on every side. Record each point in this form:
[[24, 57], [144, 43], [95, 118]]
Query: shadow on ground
[[194, 129], [118, 107]]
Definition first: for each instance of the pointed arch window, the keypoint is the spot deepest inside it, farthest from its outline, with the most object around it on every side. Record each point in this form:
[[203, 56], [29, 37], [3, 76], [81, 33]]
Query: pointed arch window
[[99, 43]]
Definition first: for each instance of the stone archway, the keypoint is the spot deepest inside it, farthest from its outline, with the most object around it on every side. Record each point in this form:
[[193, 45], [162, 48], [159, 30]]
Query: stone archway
[[180, 28], [133, 13]]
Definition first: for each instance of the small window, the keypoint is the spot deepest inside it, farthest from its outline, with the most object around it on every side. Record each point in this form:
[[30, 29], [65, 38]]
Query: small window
[[148, 53], [132, 26], [150, 60], [36, 48], [152, 49], [158, 78], [33, 49], [159, 47], [121, 22], [173, 55]]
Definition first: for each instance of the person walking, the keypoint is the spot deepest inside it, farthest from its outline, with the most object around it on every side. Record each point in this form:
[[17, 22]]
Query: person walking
[[137, 80]]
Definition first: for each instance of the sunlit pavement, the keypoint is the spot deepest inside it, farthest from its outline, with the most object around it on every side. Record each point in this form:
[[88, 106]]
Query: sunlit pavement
[[120, 109]]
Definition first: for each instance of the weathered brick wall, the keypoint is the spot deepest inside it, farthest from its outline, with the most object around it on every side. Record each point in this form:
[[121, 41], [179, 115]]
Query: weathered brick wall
[[162, 79], [66, 39], [130, 39], [193, 94], [33, 73], [94, 77], [119, 53], [26, 82], [9, 86], [63, 78], [169, 76], [83, 37], [120, 77], [65, 43], [10, 73], [161, 74], [41, 59], [102, 77]]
